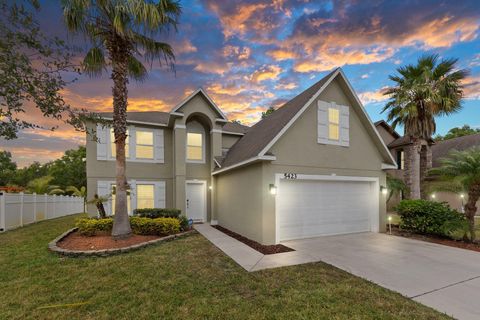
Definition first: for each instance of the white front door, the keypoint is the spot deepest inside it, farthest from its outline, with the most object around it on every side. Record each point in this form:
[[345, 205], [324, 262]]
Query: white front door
[[196, 200]]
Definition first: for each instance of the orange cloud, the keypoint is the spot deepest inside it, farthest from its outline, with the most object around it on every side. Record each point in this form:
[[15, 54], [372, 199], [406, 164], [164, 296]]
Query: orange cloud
[[286, 86], [471, 88], [237, 52], [373, 96], [280, 54], [266, 73]]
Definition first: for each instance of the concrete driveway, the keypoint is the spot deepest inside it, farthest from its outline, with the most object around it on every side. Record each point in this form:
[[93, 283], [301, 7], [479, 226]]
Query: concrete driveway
[[444, 278]]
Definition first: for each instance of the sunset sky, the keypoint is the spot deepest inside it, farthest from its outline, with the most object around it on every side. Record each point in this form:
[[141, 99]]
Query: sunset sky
[[249, 55]]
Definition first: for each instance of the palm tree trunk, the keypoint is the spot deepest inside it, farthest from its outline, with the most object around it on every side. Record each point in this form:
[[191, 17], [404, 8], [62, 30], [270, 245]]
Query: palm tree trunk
[[412, 169], [425, 165], [471, 208], [119, 53]]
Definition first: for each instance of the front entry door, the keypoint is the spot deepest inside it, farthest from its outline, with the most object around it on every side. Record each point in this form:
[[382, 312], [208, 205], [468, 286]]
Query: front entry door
[[196, 200]]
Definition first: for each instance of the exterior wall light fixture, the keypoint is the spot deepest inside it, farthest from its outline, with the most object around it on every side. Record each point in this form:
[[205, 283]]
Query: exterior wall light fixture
[[272, 188], [384, 190]]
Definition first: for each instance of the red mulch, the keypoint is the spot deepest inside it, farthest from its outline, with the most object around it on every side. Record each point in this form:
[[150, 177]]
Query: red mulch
[[75, 241], [271, 249], [435, 239]]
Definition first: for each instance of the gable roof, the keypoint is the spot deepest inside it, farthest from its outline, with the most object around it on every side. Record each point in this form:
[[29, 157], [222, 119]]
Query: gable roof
[[384, 124], [254, 145], [206, 96], [234, 127], [442, 148]]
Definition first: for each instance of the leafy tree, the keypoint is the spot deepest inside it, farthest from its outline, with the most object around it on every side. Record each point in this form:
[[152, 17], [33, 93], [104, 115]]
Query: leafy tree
[[42, 185], [7, 168], [422, 92], [394, 186], [456, 132], [462, 169], [119, 32], [31, 66], [267, 112], [34, 171], [70, 169]]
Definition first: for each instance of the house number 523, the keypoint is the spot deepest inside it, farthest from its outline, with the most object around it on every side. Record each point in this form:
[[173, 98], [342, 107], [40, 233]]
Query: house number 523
[[290, 176]]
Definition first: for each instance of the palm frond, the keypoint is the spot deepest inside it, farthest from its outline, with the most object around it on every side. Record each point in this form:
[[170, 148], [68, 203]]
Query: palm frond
[[136, 69], [94, 62]]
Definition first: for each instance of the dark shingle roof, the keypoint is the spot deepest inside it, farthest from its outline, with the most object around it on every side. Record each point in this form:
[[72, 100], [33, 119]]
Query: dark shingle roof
[[258, 137], [388, 128], [149, 116], [235, 127], [442, 148]]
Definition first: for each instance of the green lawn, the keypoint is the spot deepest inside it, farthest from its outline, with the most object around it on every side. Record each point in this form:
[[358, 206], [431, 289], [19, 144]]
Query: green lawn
[[184, 279]]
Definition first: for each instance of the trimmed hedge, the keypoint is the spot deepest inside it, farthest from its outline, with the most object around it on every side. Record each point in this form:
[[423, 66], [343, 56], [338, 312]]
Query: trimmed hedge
[[157, 226], [430, 217], [157, 213], [140, 225]]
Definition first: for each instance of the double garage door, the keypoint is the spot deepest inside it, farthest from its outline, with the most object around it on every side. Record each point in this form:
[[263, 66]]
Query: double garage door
[[309, 208]]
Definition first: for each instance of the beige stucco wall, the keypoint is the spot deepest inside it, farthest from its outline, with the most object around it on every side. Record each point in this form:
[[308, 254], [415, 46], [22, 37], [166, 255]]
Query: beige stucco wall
[[239, 201], [297, 151], [229, 140], [104, 170]]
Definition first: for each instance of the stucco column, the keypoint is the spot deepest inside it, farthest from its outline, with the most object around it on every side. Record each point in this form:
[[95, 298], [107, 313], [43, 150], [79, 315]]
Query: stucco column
[[179, 139], [216, 151]]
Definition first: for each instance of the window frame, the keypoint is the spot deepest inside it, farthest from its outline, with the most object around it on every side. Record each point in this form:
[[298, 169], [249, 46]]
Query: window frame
[[137, 129], [144, 183], [111, 144], [197, 128], [329, 123], [131, 156], [401, 159]]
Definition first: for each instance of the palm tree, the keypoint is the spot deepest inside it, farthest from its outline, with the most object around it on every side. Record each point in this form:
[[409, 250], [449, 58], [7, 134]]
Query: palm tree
[[42, 185], [120, 31], [462, 168], [422, 92], [82, 192], [394, 186]]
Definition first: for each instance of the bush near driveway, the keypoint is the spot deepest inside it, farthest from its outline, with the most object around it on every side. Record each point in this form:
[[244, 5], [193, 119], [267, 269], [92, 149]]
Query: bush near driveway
[[429, 217]]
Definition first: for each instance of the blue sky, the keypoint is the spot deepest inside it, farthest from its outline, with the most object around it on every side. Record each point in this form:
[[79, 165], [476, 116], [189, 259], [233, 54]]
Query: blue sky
[[250, 55]]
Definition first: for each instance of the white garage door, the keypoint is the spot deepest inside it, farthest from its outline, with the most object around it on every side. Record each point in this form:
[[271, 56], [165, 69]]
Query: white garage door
[[310, 208]]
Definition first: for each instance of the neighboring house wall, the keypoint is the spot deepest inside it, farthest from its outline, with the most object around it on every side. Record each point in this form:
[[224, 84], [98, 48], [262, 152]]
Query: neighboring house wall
[[229, 140]]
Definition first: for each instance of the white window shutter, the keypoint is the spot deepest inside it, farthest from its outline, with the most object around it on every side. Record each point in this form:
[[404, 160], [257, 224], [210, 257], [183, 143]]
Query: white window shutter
[[160, 194], [132, 142], [322, 122], [102, 133], [103, 190], [344, 126], [159, 145]]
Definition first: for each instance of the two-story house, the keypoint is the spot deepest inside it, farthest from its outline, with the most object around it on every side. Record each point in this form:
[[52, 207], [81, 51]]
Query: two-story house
[[313, 167]]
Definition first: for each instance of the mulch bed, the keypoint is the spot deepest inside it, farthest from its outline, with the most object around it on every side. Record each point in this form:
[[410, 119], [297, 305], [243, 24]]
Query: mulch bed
[[271, 249], [435, 239], [76, 241]]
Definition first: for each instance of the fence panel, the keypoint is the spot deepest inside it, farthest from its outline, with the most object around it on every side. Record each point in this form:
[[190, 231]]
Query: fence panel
[[19, 209]]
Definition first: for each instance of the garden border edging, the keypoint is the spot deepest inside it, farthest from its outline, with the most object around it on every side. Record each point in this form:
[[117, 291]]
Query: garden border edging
[[52, 246]]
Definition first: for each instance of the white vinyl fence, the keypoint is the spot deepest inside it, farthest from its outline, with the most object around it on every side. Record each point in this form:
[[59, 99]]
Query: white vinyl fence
[[19, 209]]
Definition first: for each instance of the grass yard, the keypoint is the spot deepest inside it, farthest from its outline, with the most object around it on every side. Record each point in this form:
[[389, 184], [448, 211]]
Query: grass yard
[[184, 279]]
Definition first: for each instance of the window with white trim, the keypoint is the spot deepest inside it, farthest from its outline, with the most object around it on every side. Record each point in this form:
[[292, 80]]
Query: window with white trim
[[195, 143], [333, 124], [113, 150], [145, 196], [144, 144]]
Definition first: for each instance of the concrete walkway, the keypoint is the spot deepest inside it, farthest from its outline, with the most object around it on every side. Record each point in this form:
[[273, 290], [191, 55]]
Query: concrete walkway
[[444, 278]]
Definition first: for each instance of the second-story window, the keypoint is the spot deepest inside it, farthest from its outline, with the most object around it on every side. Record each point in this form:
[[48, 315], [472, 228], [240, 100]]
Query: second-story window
[[194, 146], [113, 151], [401, 159], [144, 145]]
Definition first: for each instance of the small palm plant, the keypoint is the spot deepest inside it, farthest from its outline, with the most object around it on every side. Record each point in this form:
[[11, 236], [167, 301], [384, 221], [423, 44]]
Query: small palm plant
[[42, 185], [395, 186], [82, 192], [462, 169]]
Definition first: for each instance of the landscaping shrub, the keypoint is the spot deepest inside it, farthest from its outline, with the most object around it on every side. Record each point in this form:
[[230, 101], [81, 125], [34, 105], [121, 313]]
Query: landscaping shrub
[[184, 223], [140, 225], [157, 213], [90, 226], [157, 226], [430, 217]]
